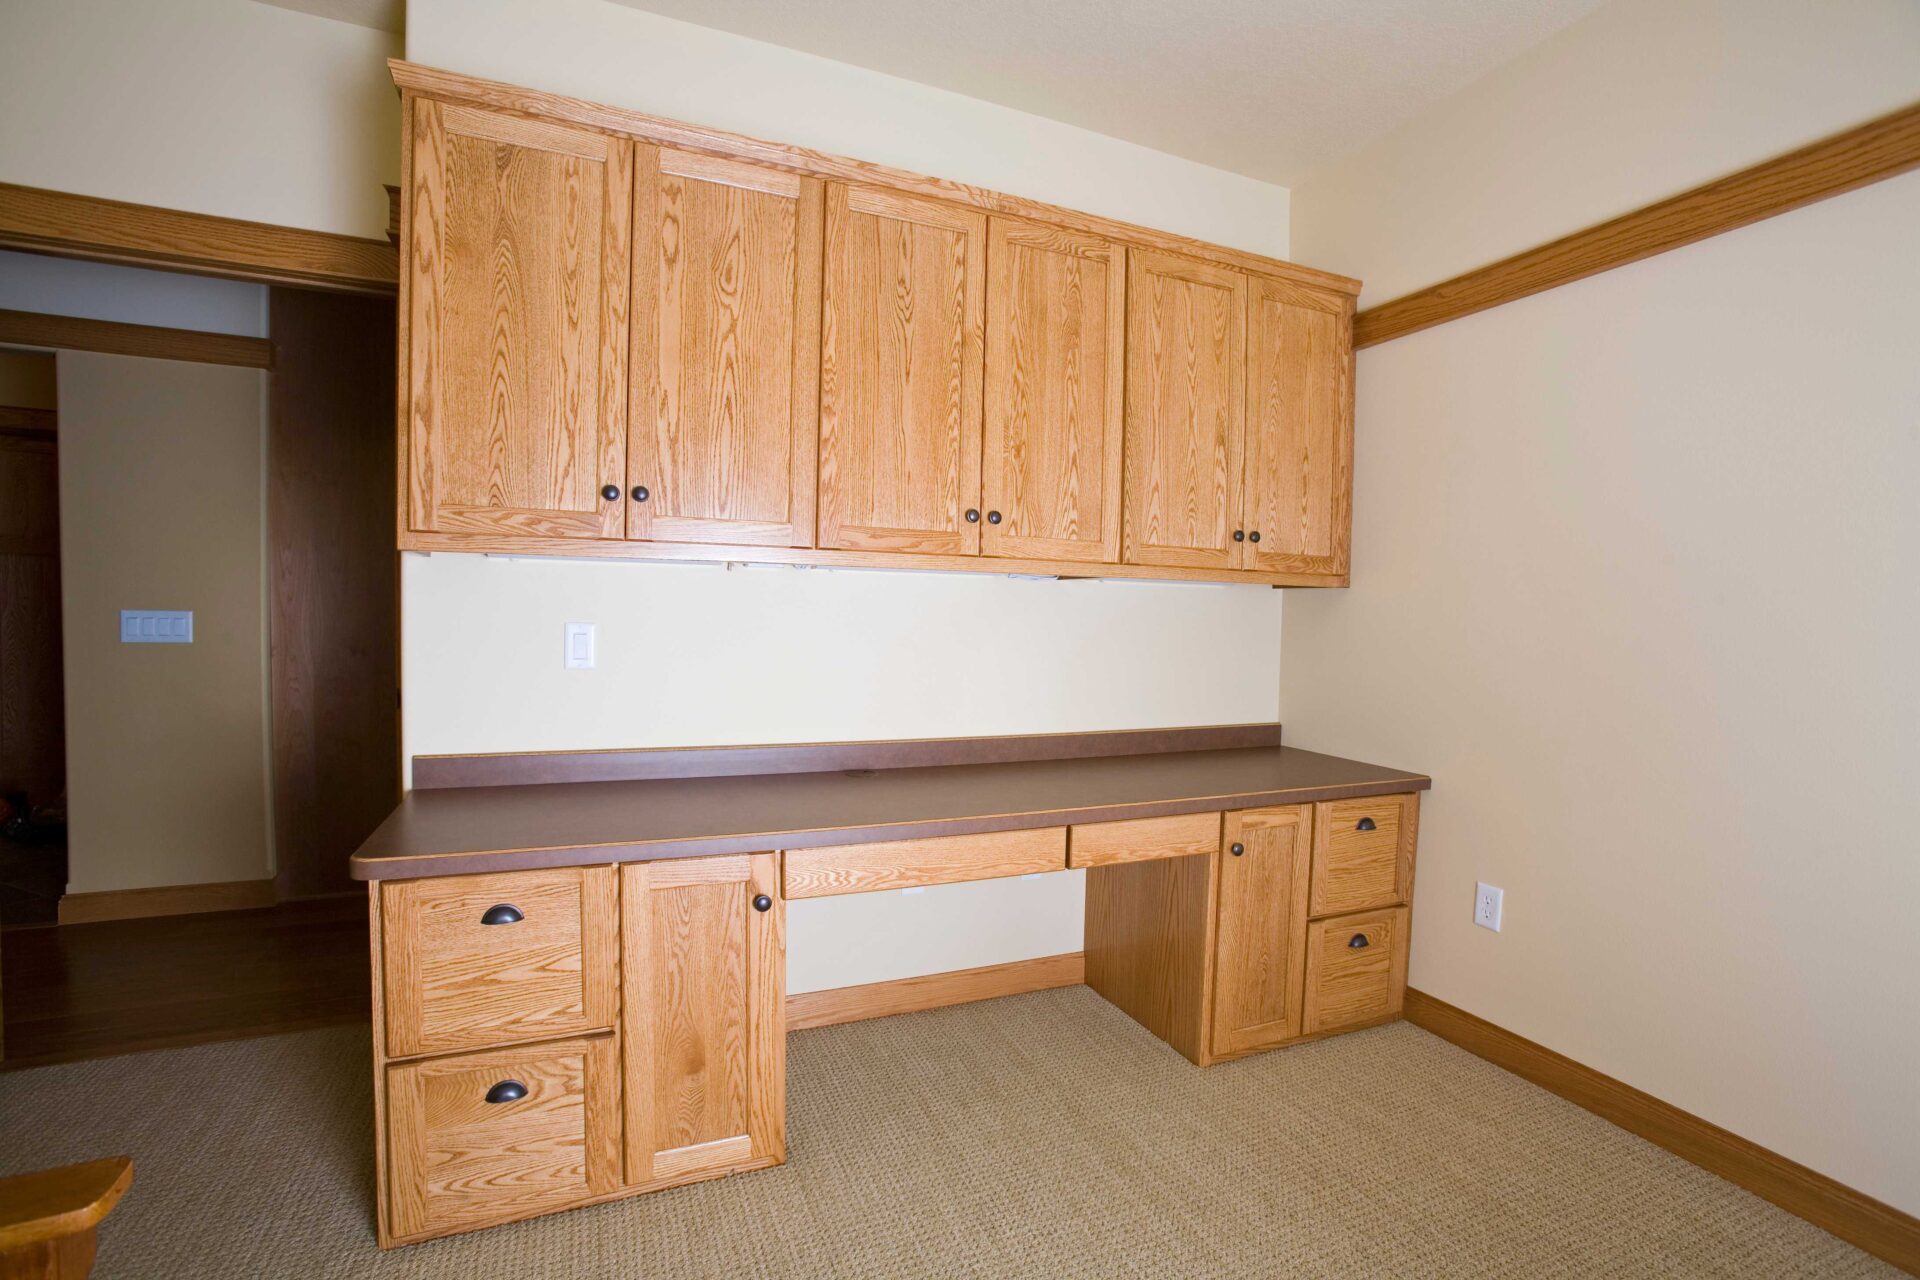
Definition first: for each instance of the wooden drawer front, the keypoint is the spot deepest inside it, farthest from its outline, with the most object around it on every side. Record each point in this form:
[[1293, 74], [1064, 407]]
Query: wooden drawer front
[[1349, 985], [899, 864], [1363, 853], [1101, 844], [455, 983], [459, 1161]]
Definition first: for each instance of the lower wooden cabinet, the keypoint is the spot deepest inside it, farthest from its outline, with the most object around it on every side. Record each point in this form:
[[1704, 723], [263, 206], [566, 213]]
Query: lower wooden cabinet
[[1262, 929], [1356, 970]]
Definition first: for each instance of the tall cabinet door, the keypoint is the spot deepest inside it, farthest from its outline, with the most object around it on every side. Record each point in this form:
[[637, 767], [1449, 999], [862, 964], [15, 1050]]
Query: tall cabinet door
[[517, 325], [1299, 428], [703, 1015], [900, 373], [726, 351], [1260, 955], [1056, 343], [1186, 348]]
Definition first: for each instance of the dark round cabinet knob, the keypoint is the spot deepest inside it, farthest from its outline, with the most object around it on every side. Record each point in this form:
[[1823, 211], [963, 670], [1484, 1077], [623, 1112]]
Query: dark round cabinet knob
[[973, 516], [640, 493], [1365, 824], [993, 517], [1237, 849], [1239, 535], [1254, 536], [762, 902], [507, 1091], [502, 913], [611, 492], [1357, 941]]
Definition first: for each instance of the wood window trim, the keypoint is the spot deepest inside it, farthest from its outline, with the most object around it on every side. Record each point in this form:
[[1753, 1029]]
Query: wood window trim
[[113, 337], [1881, 148]]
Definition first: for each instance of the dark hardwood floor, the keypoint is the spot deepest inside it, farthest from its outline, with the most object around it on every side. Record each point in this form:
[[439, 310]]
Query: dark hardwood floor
[[93, 990]]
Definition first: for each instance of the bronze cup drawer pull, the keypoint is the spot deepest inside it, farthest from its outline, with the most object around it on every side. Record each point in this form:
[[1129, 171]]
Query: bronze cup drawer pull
[[502, 913], [1365, 824], [1357, 941], [507, 1091]]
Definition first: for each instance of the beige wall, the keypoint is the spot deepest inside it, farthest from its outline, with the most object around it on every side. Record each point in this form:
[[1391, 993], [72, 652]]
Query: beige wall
[[1633, 580], [215, 106], [161, 508]]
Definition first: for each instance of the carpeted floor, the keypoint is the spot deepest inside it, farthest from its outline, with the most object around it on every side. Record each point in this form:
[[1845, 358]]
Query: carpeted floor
[[1040, 1136]]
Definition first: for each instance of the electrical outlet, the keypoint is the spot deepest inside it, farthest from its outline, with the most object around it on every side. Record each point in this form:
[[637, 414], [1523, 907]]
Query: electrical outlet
[[1487, 901]]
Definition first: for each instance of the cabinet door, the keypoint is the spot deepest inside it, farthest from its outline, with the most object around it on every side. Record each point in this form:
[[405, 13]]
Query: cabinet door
[[1186, 347], [1299, 428], [900, 374], [726, 352], [1261, 949], [517, 325], [703, 985], [1056, 338]]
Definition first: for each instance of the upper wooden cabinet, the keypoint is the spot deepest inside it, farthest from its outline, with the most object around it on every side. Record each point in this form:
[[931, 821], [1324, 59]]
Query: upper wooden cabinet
[[1186, 370], [1299, 458], [726, 351], [1056, 342], [517, 325], [900, 373]]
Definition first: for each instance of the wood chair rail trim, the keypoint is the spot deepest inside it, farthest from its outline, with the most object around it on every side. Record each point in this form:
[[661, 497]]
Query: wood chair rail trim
[[1859, 1219], [76, 226], [1880, 148], [114, 337]]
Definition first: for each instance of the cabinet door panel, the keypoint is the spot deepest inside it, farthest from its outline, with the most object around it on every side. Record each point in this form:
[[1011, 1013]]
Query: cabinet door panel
[[704, 1006], [726, 351], [1056, 338], [900, 373], [1299, 428], [1186, 346], [1262, 928], [517, 325]]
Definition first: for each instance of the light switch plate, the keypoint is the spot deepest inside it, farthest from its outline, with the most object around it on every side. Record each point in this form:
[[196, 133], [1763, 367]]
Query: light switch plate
[[579, 650], [156, 626]]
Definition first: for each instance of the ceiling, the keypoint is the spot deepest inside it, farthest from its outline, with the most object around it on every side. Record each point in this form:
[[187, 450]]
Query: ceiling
[[1267, 88], [381, 15]]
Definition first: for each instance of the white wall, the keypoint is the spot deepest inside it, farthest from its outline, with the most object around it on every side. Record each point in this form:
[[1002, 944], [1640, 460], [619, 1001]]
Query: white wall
[[1633, 578], [131, 295], [225, 107]]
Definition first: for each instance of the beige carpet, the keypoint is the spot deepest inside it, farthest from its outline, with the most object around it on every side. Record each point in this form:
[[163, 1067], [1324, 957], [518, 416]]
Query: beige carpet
[[1039, 1136]]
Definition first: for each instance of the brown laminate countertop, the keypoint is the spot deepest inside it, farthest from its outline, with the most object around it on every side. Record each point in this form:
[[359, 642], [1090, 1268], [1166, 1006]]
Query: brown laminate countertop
[[461, 830]]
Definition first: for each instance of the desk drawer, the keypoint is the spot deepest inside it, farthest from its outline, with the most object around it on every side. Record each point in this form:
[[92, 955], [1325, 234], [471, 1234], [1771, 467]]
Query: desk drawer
[[1363, 853], [488, 1137], [1356, 970], [900, 864], [548, 967], [1102, 844]]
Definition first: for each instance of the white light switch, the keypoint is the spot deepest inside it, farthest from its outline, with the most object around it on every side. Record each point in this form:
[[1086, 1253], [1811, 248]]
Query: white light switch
[[156, 626], [579, 646]]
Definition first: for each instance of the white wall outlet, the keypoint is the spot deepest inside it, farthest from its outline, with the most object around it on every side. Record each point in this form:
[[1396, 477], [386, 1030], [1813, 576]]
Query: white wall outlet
[[579, 652], [156, 626], [1487, 902]]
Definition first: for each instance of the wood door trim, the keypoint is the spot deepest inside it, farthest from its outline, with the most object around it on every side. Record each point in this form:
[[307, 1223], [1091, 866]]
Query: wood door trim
[[454, 87], [933, 990], [115, 337], [76, 226], [1880, 148], [1859, 1219]]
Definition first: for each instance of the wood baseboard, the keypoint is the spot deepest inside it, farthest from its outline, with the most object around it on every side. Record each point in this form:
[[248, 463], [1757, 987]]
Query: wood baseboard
[[1878, 1228], [166, 900], [933, 990]]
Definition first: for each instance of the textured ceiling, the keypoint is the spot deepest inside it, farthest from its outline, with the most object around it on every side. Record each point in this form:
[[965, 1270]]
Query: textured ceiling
[[1267, 88]]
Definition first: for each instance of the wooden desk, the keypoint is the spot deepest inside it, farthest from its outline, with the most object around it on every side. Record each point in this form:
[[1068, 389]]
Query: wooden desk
[[579, 985]]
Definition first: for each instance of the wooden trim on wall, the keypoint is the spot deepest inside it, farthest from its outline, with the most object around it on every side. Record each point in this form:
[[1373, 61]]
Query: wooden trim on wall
[[34, 329], [933, 990], [33, 423], [73, 226], [166, 900], [1878, 1228], [1878, 149], [449, 86]]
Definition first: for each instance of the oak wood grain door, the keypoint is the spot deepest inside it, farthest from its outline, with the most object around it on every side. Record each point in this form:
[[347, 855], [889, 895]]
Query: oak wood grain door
[[1055, 377], [726, 351], [1299, 462], [517, 325], [1186, 348], [703, 1019], [900, 373], [1261, 937]]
